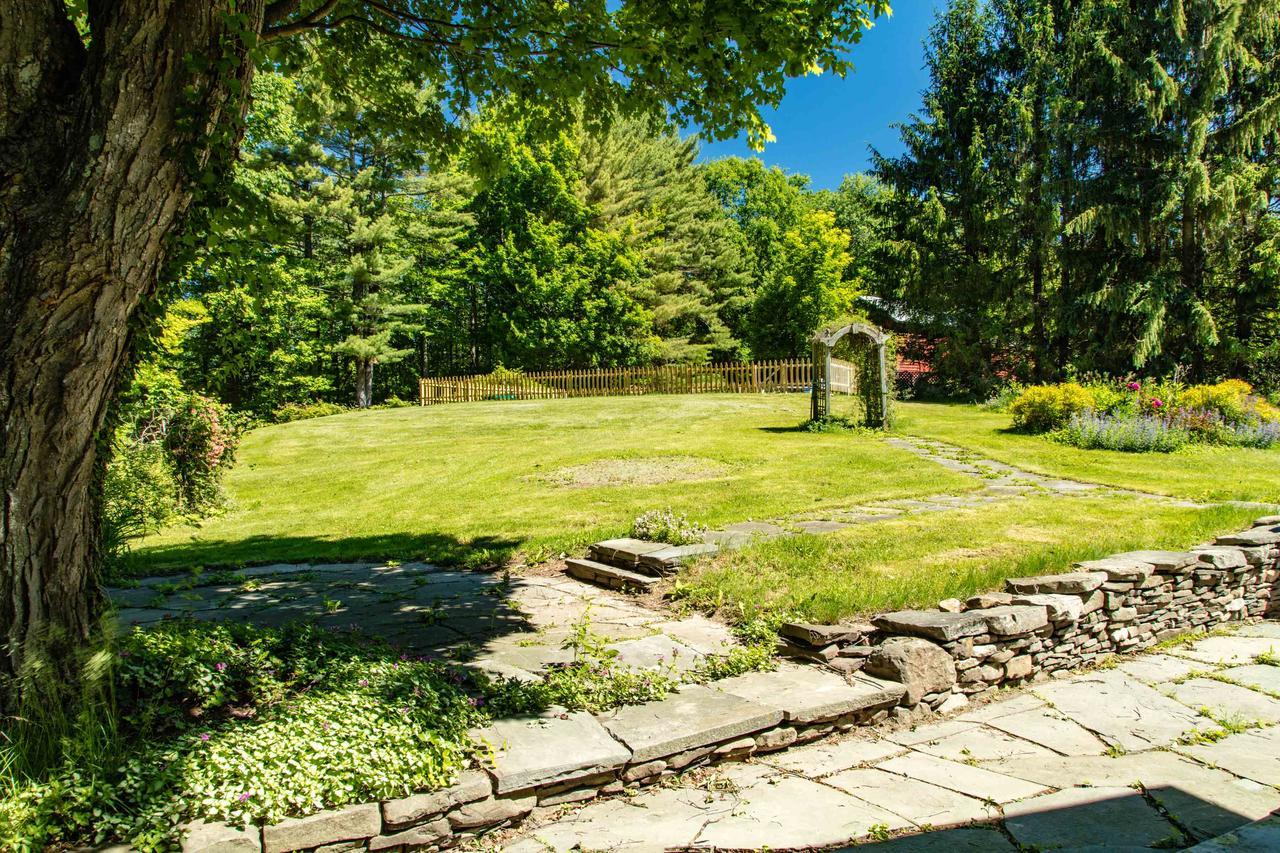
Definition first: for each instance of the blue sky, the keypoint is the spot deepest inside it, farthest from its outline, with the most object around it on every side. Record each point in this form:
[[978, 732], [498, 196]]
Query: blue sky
[[825, 124]]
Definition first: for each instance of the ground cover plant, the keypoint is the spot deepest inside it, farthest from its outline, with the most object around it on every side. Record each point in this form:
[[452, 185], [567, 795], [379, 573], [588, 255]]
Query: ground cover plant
[[1197, 472], [479, 481], [919, 560], [238, 723]]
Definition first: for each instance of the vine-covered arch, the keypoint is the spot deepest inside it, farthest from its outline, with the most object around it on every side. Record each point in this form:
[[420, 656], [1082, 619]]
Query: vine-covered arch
[[875, 395]]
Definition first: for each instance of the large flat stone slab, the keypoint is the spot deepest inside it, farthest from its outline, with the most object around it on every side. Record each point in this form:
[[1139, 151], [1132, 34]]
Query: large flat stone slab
[[983, 743], [1269, 628], [1227, 700], [804, 694], [1051, 731], [1157, 668], [1121, 711], [656, 651], [962, 778], [1262, 535], [932, 624], [625, 552], [1088, 818], [1260, 676], [919, 802], [823, 758], [1227, 651], [536, 751], [787, 812], [1067, 582], [353, 823], [1209, 802], [1262, 836], [1254, 754], [692, 717], [666, 560], [659, 819]]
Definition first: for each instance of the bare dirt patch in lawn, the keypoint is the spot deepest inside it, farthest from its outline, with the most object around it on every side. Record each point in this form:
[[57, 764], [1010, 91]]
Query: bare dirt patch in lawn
[[642, 471]]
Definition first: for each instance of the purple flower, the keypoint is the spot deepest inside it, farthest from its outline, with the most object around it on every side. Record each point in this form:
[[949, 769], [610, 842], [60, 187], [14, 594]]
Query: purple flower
[[245, 797], [1133, 386], [364, 682], [1157, 403], [220, 666], [204, 736]]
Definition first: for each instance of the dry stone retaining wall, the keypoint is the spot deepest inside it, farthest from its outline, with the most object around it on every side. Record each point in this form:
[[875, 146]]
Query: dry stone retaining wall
[[1040, 626], [901, 664]]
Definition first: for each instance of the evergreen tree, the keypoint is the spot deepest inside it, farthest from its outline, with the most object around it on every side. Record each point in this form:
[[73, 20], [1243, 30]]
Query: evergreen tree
[[643, 186]]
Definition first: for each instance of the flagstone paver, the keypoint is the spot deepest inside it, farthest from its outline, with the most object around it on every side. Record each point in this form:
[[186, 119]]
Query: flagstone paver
[[1096, 761], [1123, 712], [1082, 818], [1227, 700], [1050, 730]]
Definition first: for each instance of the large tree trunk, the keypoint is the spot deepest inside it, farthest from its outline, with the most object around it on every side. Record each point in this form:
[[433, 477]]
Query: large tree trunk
[[101, 149]]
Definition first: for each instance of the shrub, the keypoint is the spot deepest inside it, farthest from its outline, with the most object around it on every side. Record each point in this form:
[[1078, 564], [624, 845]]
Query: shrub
[[1133, 434], [663, 525], [200, 438], [1042, 408], [139, 494], [1233, 399], [304, 411], [1004, 397]]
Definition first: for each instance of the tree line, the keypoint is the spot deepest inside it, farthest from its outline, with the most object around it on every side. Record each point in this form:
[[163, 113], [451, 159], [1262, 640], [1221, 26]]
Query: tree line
[[1091, 186], [348, 265]]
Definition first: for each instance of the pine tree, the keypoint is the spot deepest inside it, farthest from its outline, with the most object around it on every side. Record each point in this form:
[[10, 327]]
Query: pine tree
[[642, 184]]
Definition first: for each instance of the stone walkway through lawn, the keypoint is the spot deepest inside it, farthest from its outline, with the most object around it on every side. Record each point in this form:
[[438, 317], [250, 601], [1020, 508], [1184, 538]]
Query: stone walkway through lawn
[[1001, 482], [1161, 751]]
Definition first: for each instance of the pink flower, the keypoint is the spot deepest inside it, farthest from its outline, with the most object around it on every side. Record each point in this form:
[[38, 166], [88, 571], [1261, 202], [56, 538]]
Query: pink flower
[[220, 666], [204, 736], [1156, 403], [1133, 386], [244, 798]]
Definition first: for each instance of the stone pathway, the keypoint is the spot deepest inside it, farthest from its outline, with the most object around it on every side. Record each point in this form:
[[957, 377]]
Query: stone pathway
[[1160, 751], [1001, 482], [510, 626]]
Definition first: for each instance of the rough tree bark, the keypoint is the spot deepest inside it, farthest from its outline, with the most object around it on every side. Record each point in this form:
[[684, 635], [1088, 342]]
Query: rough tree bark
[[101, 149]]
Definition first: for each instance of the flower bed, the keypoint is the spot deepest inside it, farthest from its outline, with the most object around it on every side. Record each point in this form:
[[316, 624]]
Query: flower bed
[[1152, 417]]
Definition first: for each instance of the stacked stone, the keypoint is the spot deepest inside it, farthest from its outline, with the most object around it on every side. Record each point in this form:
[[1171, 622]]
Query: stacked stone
[[1042, 626]]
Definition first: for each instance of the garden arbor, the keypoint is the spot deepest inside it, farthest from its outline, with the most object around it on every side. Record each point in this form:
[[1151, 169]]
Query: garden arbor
[[864, 373]]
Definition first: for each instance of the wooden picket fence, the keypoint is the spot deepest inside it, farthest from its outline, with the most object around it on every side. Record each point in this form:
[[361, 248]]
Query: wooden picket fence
[[728, 378]]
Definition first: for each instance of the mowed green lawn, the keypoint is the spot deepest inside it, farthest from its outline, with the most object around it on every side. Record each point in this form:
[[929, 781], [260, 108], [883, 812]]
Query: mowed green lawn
[[1197, 473], [477, 483], [919, 560]]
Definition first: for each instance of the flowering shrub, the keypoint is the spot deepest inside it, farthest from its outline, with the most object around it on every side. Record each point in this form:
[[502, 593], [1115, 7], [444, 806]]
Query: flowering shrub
[[201, 442], [1153, 415], [1135, 433], [1042, 408], [663, 525], [1233, 399]]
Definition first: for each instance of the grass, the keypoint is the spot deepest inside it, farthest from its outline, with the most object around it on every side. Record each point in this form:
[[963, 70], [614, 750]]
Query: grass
[[475, 483], [916, 561], [1196, 472]]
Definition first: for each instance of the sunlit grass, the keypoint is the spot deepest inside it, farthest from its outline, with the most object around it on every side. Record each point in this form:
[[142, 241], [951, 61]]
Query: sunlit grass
[[474, 483], [918, 560], [1196, 472]]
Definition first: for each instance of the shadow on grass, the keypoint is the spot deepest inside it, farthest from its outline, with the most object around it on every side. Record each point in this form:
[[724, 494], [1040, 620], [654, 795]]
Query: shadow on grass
[[214, 554]]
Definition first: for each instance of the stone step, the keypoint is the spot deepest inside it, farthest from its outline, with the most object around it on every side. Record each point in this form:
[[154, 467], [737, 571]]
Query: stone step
[[625, 553], [605, 575], [667, 560]]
